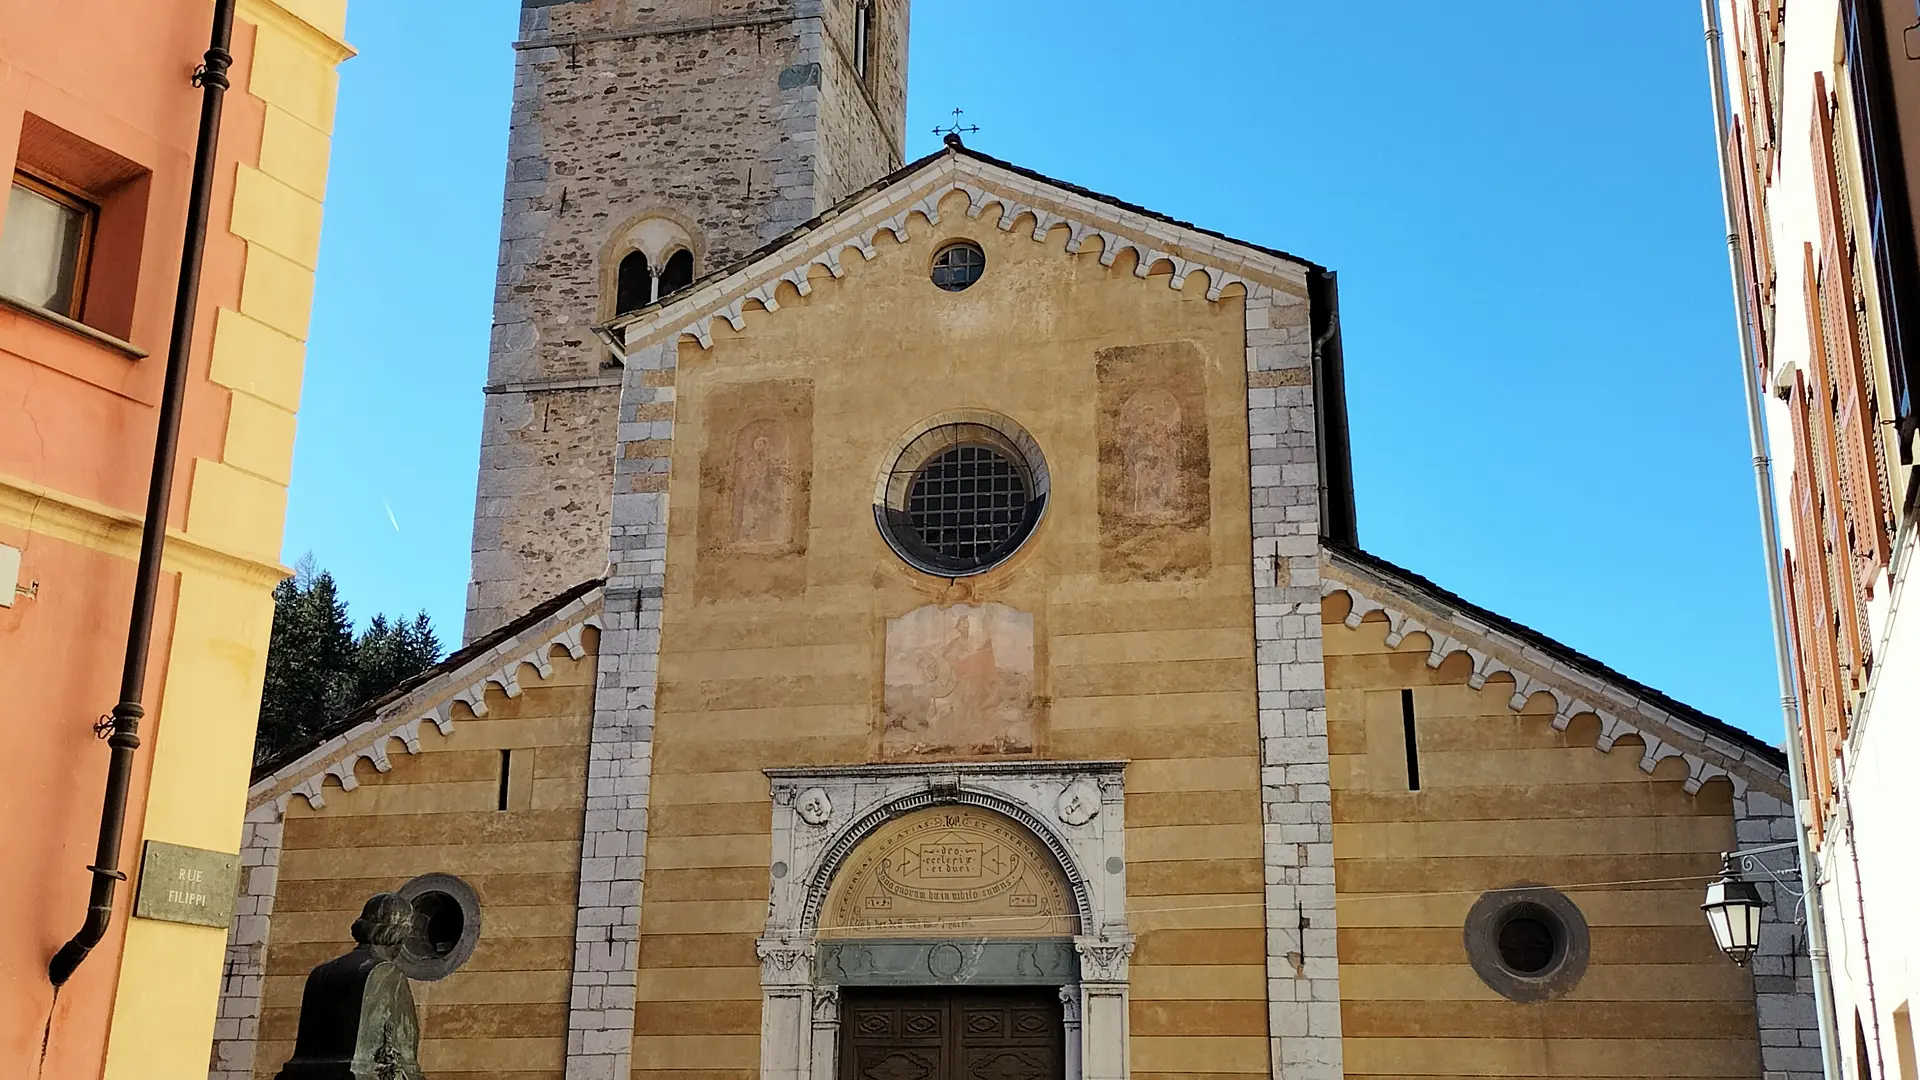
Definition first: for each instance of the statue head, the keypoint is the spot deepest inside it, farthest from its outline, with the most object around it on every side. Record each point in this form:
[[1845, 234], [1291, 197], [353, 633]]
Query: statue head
[[385, 924]]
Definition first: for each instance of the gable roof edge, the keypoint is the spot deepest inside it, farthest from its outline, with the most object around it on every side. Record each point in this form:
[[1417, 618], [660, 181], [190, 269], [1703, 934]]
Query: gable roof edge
[[888, 205], [1578, 684], [428, 698]]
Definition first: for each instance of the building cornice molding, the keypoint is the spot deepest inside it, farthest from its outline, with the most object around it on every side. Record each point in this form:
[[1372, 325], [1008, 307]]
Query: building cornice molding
[[62, 515], [756, 285], [430, 703], [330, 47], [1575, 691]]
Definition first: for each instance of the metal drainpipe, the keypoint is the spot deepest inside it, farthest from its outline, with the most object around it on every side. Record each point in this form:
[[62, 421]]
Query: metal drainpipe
[[1770, 542], [125, 737]]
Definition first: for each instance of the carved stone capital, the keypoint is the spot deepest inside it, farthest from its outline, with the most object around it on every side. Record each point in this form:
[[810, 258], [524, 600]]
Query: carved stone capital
[[785, 961], [1070, 1006], [826, 1006], [1104, 959]]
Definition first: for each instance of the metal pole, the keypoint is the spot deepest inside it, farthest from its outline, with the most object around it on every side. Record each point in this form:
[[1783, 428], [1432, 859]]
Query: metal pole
[[1770, 542], [125, 737]]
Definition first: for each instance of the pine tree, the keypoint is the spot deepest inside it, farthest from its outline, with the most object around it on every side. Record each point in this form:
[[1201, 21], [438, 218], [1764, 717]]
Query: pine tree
[[389, 652], [318, 671]]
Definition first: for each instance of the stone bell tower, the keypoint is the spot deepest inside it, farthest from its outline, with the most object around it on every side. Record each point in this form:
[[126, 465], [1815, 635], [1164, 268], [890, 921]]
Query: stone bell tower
[[647, 134]]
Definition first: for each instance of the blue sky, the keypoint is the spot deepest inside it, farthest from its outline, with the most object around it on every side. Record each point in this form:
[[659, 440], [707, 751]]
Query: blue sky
[[1520, 199]]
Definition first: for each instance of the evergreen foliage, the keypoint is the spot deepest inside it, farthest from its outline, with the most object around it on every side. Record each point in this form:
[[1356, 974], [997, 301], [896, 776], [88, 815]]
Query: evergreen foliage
[[318, 671]]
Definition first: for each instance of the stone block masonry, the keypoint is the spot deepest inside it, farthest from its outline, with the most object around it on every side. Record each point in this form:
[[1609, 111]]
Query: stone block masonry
[[710, 118], [1303, 986], [1782, 973], [606, 943]]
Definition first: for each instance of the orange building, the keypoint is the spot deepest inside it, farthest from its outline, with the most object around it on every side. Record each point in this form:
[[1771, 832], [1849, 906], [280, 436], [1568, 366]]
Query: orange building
[[99, 116]]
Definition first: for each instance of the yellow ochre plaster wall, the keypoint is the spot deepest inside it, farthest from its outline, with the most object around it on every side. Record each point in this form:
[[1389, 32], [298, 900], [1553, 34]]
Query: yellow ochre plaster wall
[[1506, 799], [502, 1015], [170, 973], [788, 670]]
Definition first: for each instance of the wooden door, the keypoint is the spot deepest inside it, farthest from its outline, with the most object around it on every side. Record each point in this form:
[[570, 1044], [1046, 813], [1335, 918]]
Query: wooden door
[[993, 1034]]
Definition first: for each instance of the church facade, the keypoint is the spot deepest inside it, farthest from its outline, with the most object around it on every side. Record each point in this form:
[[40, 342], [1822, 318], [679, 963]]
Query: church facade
[[918, 631]]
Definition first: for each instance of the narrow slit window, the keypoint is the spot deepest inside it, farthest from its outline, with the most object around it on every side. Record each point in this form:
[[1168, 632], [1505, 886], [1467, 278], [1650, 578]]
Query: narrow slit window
[[1413, 745], [506, 774], [862, 37]]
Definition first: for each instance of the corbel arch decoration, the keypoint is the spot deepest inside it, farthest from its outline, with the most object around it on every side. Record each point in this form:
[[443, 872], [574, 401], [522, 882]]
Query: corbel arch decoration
[[1574, 693], [1017, 204]]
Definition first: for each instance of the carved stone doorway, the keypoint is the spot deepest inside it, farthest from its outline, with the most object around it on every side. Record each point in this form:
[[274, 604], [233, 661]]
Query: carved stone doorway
[[960, 1034]]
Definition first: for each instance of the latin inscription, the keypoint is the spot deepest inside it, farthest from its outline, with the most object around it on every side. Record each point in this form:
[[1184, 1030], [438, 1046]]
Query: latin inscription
[[950, 871]]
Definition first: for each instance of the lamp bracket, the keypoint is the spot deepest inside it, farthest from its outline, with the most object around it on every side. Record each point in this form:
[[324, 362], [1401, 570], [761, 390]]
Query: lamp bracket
[[1749, 860]]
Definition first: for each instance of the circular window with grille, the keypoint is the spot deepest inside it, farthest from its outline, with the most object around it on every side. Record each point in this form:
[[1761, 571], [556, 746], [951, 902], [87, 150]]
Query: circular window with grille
[[961, 497], [958, 265]]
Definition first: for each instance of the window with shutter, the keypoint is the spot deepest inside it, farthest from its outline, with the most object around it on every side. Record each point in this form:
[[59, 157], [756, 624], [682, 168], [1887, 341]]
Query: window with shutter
[[1758, 267], [1803, 680], [1845, 597], [1862, 475], [1885, 196], [1821, 709]]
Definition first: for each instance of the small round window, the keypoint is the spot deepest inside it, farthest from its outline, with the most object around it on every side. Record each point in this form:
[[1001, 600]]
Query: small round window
[[1529, 943], [958, 265], [961, 497], [446, 926]]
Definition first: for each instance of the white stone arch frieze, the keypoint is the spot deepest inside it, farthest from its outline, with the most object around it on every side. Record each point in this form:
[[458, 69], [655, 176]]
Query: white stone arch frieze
[[1575, 691], [1016, 198], [1075, 810]]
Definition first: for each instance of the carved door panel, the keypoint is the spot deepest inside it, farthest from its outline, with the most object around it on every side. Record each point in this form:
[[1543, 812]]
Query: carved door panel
[[951, 1035]]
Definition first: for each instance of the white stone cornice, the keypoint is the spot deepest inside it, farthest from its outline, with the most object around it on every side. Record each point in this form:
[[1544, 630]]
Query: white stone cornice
[[1576, 691], [432, 703], [1154, 242]]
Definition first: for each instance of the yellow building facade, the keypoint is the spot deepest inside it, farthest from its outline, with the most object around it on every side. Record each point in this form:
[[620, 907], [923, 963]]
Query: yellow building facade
[[985, 682], [107, 130]]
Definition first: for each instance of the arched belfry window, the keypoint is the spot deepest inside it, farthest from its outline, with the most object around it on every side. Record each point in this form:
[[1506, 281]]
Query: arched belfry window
[[677, 274], [636, 284]]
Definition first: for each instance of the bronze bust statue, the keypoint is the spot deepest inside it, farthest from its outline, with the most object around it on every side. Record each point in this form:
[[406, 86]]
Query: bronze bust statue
[[356, 1017]]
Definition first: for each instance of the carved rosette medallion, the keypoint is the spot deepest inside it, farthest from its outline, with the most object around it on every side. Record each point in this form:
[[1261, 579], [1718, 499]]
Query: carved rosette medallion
[[1079, 803]]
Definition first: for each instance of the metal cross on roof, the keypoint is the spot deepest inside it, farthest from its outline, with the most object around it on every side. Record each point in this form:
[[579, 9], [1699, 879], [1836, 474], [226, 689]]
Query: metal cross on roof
[[956, 129]]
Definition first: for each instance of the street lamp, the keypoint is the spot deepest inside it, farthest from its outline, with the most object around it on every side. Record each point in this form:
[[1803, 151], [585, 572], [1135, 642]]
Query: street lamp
[[1733, 911], [1733, 904]]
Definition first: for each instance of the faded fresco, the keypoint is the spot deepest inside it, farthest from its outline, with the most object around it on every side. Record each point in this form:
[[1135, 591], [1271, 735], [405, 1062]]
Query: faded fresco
[[764, 486], [756, 473], [947, 871], [959, 680], [1154, 464]]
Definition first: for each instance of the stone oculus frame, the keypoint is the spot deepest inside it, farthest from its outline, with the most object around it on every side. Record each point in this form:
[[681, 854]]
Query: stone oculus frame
[[1071, 811]]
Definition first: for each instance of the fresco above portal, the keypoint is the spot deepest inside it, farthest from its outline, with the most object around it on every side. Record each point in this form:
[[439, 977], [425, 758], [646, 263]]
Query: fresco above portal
[[959, 680]]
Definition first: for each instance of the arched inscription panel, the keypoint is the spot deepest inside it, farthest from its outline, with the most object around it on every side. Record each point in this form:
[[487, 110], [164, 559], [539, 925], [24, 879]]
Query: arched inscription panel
[[950, 871]]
